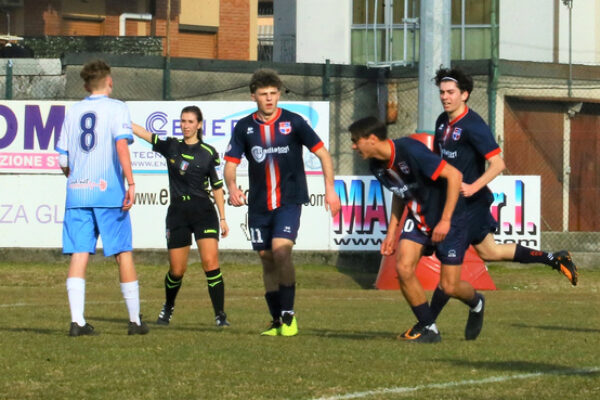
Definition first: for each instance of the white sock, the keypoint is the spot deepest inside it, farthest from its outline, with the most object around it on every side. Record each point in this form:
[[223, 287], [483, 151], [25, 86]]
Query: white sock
[[76, 294], [131, 294], [478, 307], [432, 327]]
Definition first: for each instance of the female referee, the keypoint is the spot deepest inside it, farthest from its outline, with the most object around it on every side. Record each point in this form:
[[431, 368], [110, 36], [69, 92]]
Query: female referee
[[192, 166]]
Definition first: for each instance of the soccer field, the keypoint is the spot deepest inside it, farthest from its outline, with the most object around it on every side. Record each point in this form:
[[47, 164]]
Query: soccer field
[[541, 339]]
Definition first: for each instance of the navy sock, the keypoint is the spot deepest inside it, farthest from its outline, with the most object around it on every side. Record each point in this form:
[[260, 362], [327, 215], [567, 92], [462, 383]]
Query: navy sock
[[526, 255], [474, 301], [438, 302], [172, 286], [272, 299], [423, 314], [216, 289], [287, 295]]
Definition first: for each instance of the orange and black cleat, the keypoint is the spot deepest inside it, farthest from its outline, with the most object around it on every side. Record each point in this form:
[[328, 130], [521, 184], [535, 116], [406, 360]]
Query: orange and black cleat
[[565, 265], [421, 334]]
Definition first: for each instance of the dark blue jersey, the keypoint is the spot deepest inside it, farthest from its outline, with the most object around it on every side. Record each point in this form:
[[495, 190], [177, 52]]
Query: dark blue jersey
[[274, 153], [192, 168], [466, 142], [412, 174]]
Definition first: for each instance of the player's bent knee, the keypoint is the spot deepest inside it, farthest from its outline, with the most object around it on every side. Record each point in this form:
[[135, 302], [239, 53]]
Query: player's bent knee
[[405, 271]]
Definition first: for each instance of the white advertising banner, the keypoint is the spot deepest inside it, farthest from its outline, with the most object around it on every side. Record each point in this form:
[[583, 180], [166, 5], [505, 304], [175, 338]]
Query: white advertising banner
[[363, 220], [32, 213], [30, 129]]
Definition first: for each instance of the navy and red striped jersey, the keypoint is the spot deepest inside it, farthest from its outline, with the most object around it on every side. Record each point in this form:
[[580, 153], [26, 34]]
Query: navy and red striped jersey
[[466, 142], [412, 174], [274, 153]]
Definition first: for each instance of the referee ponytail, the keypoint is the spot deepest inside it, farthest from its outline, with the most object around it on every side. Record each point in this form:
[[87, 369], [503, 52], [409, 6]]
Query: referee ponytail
[[195, 110]]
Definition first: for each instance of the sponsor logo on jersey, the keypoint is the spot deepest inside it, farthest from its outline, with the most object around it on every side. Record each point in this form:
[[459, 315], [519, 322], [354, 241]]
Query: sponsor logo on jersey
[[259, 154], [285, 127], [449, 154], [228, 148], [404, 167], [287, 229], [250, 131], [456, 133]]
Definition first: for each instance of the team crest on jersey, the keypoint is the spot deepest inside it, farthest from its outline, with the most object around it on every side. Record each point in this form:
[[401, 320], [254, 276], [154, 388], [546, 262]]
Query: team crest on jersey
[[404, 167], [456, 133], [285, 127]]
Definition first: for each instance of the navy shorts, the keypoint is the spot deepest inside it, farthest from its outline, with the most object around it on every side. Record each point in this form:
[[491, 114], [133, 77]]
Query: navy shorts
[[451, 251], [197, 216], [480, 220], [283, 222]]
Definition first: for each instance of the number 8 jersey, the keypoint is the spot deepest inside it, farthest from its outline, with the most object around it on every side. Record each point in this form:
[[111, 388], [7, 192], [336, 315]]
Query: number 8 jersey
[[89, 134]]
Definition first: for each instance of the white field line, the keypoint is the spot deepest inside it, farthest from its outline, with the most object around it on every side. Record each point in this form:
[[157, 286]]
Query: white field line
[[493, 379]]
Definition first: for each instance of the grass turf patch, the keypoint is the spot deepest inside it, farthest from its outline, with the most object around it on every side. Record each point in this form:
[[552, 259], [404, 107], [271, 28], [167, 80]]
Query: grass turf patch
[[535, 323]]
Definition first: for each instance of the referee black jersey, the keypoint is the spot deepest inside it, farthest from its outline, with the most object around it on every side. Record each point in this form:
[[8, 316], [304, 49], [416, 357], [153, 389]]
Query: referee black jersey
[[193, 169]]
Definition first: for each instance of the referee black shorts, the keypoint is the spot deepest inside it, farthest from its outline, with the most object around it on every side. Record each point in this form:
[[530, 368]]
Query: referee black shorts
[[197, 216]]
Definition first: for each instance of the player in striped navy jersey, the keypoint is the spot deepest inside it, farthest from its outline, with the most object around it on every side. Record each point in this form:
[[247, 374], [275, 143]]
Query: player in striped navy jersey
[[430, 188], [272, 140], [94, 156], [464, 140]]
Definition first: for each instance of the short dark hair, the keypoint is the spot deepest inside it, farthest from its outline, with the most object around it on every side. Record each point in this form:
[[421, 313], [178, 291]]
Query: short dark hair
[[265, 77], [463, 81], [363, 127], [195, 110], [93, 72]]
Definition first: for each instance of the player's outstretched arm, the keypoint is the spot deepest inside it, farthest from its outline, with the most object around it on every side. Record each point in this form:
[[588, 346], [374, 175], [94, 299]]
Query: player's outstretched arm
[[495, 167], [141, 132], [454, 178], [332, 200], [236, 196], [125, 161]]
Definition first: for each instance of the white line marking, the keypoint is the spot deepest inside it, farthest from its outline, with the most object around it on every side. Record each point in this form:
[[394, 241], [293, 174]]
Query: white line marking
[[64, 303], [493, 379]]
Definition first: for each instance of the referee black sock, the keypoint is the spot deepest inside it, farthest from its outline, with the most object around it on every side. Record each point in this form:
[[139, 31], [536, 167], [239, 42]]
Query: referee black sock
[[526, 255], [423, 314], [216, 289], [274, 304], [172, 286], [438, 302]]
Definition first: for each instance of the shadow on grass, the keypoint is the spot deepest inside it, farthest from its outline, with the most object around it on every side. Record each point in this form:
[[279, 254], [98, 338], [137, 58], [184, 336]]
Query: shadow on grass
[[520, 366], [556, 328], [361, 266], [39, 331], [329, 333]]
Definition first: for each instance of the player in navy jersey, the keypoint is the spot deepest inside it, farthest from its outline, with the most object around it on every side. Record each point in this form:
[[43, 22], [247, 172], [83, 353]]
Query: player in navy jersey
[[94, 157], [193, 170], [430, 189], [272, 140], [464, 140]]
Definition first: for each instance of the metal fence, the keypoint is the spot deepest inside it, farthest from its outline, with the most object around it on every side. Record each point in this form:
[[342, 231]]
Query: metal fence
[[542, 130]]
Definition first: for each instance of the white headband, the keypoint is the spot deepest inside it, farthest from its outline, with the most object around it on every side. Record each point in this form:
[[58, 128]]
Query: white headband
[[449, 78]]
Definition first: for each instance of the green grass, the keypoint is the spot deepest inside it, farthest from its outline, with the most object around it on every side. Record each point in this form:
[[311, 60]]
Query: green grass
[[535, 323]]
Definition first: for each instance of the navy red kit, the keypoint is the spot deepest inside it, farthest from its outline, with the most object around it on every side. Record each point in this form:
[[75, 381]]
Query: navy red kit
[[466, 142], [412, 174], [274, 153]]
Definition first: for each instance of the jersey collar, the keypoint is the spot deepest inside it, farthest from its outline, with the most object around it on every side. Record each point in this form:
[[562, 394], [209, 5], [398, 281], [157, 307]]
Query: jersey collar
[[455, 120], [392, 155], [271, 121]]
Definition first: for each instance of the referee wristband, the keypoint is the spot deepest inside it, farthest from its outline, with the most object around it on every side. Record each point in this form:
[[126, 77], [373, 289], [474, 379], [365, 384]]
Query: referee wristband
[[130, 184], [222, 219]]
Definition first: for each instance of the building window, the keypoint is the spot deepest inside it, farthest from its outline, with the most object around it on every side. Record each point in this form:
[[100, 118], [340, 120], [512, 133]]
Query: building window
[[387, 31], [265, 31]]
